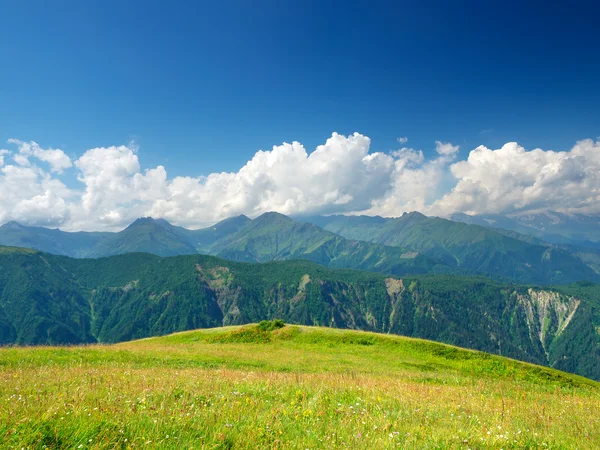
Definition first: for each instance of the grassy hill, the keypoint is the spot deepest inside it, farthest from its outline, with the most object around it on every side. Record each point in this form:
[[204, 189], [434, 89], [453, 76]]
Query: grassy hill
[[295, 387], [48, 299]]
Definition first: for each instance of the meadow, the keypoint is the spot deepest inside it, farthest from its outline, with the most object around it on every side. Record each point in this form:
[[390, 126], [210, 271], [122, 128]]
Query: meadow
[[292, 387]]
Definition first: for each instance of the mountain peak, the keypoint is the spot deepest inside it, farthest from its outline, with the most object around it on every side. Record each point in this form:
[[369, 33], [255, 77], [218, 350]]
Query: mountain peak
[[241, 219], [142, 221], [148, 222], [273, 217], [413, 215], [12, 225]]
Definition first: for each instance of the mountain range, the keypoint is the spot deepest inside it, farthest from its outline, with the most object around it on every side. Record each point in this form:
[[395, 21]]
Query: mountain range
[[50, 299], [581, 230], [410, 244], [498, 253]]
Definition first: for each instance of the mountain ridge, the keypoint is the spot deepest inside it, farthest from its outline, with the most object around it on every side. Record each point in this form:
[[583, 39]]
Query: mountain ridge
[[473, 247], [412, 243]]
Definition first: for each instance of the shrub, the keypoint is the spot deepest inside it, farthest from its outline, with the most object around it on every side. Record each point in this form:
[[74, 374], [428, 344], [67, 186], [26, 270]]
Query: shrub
[[271, 325]]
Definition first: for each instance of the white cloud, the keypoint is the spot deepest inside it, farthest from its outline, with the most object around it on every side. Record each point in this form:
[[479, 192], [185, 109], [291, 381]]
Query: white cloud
[[446, 148], [511, 180], [56, 158], [339, 176], [416, 182], [402, 140], [21, 160], [46, 208], [2, 153], [31, 196]]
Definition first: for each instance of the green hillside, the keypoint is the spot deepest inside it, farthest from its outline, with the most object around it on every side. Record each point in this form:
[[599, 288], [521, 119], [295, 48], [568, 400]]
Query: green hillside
[[46, 299], [295, 387], [471, 247]]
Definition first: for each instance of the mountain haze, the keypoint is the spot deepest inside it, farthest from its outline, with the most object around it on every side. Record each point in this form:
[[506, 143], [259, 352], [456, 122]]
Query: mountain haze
[[551, 226], [77, 244]]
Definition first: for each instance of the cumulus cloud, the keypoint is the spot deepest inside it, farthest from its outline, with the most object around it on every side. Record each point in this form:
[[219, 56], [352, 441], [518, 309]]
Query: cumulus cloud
[[512, 180], [416, 182], [56, 158], [402, 140], [340, 176], [32, 196]]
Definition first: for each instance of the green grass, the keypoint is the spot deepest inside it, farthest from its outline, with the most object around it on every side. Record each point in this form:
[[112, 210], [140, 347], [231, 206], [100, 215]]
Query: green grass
[[293, 387]]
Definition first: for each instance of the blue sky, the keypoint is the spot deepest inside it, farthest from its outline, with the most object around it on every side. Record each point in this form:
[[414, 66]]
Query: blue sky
[[206, 84], [201, 86]]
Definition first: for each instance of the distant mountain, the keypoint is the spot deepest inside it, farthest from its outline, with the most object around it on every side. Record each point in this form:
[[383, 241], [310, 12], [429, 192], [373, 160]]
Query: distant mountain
[[204, 238], [54, 241], [270, 237], [470, 247], [148, 235], [275, 237], [554, 227], [48, 299], [411, 244]]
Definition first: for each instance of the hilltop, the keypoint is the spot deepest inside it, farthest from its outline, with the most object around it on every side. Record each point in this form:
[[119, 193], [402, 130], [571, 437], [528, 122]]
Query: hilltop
[[295, 387]]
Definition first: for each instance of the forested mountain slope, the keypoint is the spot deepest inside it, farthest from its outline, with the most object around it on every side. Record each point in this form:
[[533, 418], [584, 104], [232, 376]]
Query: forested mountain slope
[[46, 299]]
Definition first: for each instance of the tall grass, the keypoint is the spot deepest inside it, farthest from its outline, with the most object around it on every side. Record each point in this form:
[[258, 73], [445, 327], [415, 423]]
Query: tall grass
[[298, 387]]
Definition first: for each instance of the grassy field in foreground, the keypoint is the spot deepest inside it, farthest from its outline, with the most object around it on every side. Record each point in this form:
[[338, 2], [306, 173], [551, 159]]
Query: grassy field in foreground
[[296, 387]]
